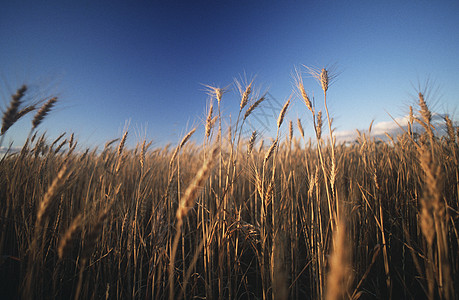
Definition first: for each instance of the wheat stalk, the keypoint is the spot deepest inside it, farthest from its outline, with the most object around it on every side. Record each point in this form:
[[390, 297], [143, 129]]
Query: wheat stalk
[[245, 93], [24, 111], [324, 79], [58, 148], [425, 112], [339, 275], [270, 152], [109, 143], [191, 193], [182, 143], [300, 86], [253, 106], [252, 139], [122, 143], [209, 122], [216, 92], [319, 125], [72, 143], [450, 129], [280, 119], [66, 241], [46, 204], [142, 155], [300, 127], [57, 140], [43, 112], [325, 76], [186, 203], [94, 233], [10, 115]]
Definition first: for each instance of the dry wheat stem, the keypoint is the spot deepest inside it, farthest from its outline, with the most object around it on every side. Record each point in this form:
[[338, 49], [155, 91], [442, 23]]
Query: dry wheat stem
[[339, 276], [24, 111], [186, 203], [191, 192], [57, 140], [66, 241], [53, 190], [109, 143], [187, 137]]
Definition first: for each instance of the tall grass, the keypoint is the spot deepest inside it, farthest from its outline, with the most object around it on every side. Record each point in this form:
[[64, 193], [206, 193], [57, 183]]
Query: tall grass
[[227, 219]]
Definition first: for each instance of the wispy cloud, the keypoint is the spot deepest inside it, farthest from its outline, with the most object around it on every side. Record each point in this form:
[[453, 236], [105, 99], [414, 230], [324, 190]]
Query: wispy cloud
[[394, 127], [346, 136], [390, 127]]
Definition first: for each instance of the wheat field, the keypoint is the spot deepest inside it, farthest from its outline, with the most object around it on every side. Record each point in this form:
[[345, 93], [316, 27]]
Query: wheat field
[[232, 217]]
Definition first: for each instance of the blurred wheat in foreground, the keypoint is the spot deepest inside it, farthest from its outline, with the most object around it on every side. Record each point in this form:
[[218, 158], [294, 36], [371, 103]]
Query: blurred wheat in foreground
[[231, 218]]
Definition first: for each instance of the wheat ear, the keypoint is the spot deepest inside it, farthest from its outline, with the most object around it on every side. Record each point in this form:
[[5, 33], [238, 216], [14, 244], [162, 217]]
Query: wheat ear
[[270, 152], [52, 192], [319, 125], [252, 107], [280, 119], [10, 115], [66, 241], [252, 139], [245, 96], [185, 205], [182, 143], [43, 112], [122, 143], [209, 122], [191, 192], [300, 86], [450, 129], [300, 127]]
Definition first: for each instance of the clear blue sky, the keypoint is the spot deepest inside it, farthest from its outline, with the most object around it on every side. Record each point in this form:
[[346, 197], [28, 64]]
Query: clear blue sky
[[146, 61]]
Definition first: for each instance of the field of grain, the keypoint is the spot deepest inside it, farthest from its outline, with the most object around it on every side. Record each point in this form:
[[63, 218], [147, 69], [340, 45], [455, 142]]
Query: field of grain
[[232, 217]]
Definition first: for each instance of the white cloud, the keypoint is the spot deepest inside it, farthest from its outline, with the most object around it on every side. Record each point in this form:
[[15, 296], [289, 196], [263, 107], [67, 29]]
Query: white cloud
[[390, 126], [378, 130], [12, 150], [345, 136], [393, 128]]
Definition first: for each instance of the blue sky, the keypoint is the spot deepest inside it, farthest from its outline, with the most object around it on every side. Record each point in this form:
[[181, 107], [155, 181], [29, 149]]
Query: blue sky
[[146, 61]]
